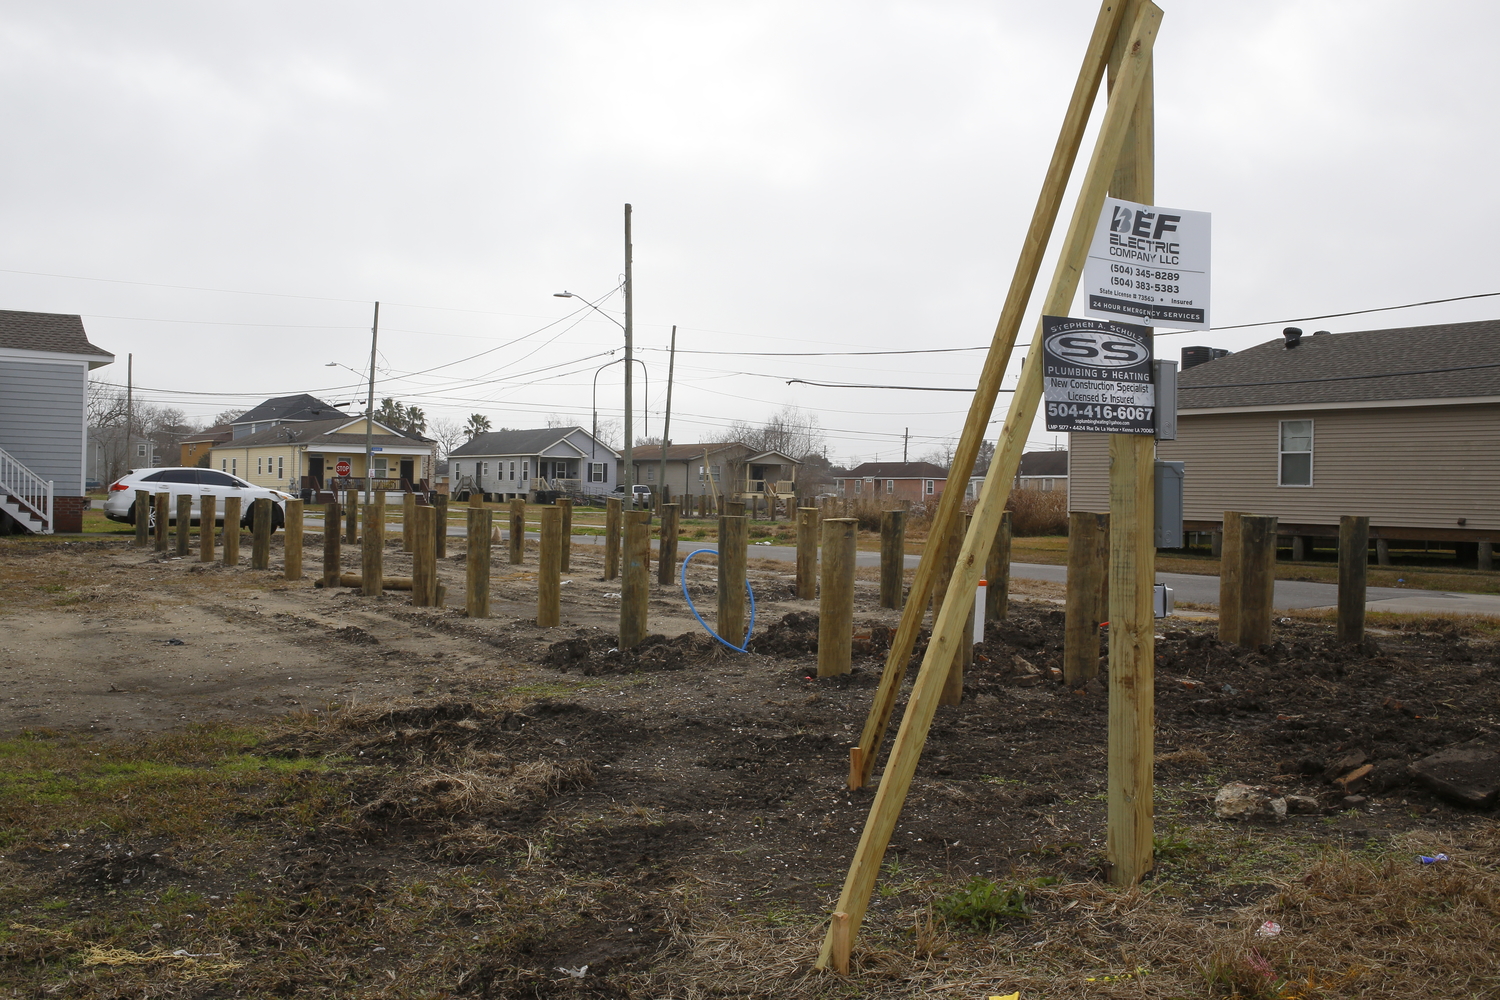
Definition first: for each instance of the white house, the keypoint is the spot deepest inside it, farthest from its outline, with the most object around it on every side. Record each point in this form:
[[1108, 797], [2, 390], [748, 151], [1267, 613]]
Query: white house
[[517, 463]]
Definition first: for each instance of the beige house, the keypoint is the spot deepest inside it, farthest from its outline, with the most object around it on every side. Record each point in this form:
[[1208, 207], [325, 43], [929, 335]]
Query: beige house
[[1400, 425], [313, 453], [716, 469]]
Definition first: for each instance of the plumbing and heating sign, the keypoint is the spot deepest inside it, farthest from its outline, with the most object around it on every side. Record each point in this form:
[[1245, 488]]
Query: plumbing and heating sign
[[1096, 376], [1150, 264]]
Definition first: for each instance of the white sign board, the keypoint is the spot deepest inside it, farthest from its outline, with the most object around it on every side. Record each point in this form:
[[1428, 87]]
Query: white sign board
[[1150, 264], [1097, 376]]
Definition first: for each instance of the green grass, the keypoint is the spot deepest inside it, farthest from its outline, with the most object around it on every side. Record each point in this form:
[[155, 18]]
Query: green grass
[[983, 905]]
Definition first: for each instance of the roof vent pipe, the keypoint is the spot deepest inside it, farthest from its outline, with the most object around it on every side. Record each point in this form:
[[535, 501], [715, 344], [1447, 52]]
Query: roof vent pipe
[[1292, 335], [1320, 333]]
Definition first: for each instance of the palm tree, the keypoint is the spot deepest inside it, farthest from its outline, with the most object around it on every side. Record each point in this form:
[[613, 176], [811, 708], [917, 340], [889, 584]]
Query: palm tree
[[478, 424]]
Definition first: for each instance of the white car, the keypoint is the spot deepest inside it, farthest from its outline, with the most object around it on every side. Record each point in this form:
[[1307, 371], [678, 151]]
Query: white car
[[197, 483]]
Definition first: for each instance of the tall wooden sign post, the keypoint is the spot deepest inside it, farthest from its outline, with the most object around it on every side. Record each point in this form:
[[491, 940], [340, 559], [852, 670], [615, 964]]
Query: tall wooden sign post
[[1123, 37]]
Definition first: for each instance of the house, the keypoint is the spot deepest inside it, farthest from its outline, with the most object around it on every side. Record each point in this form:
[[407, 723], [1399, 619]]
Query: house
[[326, 454], [727, 468], [196, 446], [279, 410], [110, 456], [1399, 425], [517, 463], [913, 481], [45, 360], [1043, 470]]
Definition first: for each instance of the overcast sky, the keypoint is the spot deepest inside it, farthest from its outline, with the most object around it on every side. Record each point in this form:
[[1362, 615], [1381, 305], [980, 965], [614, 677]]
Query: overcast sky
[[224, 189]]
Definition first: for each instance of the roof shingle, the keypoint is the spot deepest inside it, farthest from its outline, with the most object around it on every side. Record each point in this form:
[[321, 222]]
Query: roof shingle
[[56, 333]]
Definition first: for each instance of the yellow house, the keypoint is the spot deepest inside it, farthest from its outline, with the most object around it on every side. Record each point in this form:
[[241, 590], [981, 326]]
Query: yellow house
[[323, 454]]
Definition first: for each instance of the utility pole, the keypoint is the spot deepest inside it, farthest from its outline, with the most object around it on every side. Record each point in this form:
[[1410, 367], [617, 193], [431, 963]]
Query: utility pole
[[129, 409], [629, 371], [370, 412], [666, 429], [905, 437]]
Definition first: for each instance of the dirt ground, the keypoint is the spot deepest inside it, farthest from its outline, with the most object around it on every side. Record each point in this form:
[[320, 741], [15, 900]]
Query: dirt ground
[[674, 821]]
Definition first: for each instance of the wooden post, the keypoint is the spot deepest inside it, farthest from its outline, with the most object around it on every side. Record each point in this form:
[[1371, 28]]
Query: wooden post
[[260, 534], [565, 504], [953, 687], [1231, 567], [1485, 558], [208, 514], [518, 532], [807, 553], [423, 556], [1216, 544], [408, 521], [477, 563], [372, 555], [734, 508], [1354, 560], [232, 531], [351, 530], [1087, 595], [476, 500], [635, 590], [733, 622], [842, 942], [332, 515], [612, 511], [997, 572], [892, 557], [163, 517], [440, 538], [142, 517], [184, 523], [292, 537], [1382, 552], [836, 597], [666, 551], [1299, 548], [1258, 579], [549, 572]]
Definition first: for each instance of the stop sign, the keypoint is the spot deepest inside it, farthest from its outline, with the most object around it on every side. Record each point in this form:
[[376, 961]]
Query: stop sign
[[342, 468]]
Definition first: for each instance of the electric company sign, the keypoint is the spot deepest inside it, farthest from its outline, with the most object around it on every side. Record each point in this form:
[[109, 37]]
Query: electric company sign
[[1096, 376], [1149, 263]]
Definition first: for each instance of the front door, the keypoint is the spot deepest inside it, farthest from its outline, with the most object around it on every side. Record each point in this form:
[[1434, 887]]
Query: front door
[[406, 472], [315, 470]]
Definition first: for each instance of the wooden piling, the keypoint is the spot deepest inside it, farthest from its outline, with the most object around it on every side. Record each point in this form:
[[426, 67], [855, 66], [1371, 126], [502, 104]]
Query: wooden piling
[[232, 531], [163, 517], [142, 517], [836, 597], [423, 556], [477, 563], [997, 573], [208, 513], [1354, 561], [332, 515], [292, 538], [260, 534], [184, 524], [408, 521], [372, 553], [963, 657], [565, 504], [733, 620], [734, 508], [892, 557], [1382, 552], [440, 538], [1257, 580], [1087, 595], [351, 505], [841, 942], [1230, 571], [518, 532], [1484, 559], [666, 551], [807, 553], [549, 572], [612, 511], [635, 589]]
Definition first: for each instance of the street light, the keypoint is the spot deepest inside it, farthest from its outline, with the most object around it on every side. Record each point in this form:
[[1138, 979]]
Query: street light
[[646, 428]]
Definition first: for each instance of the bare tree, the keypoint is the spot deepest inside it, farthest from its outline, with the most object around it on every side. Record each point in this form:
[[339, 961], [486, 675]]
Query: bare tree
[[448, 433], [226, 417], [789, 431]]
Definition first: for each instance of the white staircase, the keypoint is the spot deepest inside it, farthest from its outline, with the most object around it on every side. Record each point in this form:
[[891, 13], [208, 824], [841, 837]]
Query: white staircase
[[25, 496]]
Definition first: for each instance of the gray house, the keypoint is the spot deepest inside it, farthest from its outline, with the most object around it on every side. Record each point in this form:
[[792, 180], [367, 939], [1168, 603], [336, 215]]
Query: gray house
[[1402, 426], [45, 360], [517, 463]]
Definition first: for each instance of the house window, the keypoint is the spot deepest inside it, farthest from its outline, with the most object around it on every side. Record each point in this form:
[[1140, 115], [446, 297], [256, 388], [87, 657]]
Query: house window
[[650, 473], [378, 467], [234, 466], [223, 465], [512, 471], [1296, 452], [280, 467], [257, 466], [859, 486], [928, 486], [890, 486], [484, 467], [525, 470], [596, 472], [140, 451]]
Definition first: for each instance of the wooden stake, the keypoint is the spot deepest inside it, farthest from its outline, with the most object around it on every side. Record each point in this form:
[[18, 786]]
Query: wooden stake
[[1231, 567], [997, 572], [142, 517], [208, 513], [612, 511], [733, 621], [836, 597], [1354, 561], [292, 537], [184, 523], [666, 552], [408, 521], [518, 532], [424, 556], [232, 531], [351, 503], [856, 767], [953, 687], [565, 504], [635, 590], [549, 570], [922, 703], [1087, 595], [841, 936], [260, 537], [892, 557], [386, 583], [807, 553], [1258, 581], [372, 555], [1024, 402], [163, 517], [331, 555], [440, 538], [477, 564]]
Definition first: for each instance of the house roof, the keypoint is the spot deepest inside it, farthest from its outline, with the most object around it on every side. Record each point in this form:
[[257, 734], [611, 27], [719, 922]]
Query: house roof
[[221, 432], [772, 458], [688, 452], [56, 333], [1044, 463], [298, 407], [1453, 360], [322, 432], [895, 470], [518, 442]]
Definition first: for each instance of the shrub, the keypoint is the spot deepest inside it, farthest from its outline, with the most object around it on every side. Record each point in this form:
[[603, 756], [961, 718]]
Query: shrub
[[984, 905], [1034, 512]]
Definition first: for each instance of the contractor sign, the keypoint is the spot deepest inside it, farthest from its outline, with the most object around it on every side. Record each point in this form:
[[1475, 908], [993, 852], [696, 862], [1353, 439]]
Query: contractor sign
[[1150, 264], [1097, 376]]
